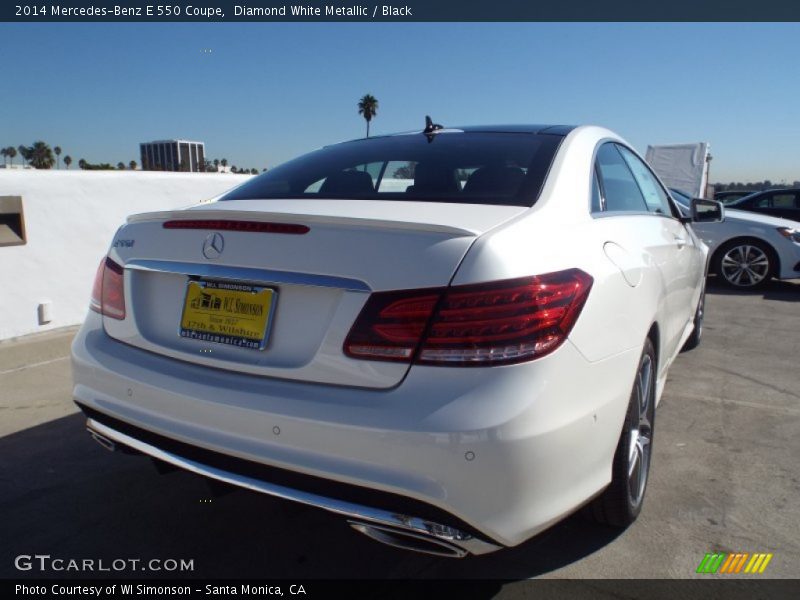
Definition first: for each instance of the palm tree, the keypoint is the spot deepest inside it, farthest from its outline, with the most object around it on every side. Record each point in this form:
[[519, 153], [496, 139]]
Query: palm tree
[[82, 163], [41, 156], [24, 152], [67, 160], [57, 150], [224, 162], [216, 164], [121, 166], [4, 152], [132, 165], [12, 152], [368, 108]]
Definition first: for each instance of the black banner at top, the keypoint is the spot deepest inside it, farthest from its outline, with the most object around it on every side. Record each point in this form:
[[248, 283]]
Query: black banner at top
[[397, 11]]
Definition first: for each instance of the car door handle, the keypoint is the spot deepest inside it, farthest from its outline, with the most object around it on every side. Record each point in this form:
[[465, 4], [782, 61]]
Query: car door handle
[[681, 242]]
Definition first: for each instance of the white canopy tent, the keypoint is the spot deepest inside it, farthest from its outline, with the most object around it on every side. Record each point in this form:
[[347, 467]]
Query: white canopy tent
[[682, 166]]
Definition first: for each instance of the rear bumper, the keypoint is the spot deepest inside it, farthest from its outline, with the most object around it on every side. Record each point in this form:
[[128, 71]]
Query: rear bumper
[[429, 536], [505, 451]]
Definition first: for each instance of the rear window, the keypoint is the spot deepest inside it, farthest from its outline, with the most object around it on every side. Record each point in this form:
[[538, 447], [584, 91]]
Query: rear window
[[474, 168]]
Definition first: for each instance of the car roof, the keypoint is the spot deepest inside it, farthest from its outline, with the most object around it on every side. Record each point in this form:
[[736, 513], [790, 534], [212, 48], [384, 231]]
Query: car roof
[[548, 129], [560, 130]]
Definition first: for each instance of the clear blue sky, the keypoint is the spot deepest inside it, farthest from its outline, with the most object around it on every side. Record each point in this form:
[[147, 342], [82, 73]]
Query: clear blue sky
[[267, 92]]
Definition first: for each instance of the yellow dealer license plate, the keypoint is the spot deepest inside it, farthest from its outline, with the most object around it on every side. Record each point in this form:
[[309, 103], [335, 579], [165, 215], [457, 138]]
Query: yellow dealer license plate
[[228, 313]]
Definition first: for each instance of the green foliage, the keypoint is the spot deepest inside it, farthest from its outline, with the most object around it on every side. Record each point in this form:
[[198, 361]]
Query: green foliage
[[40, 155], [753, 186], [368, 108], [87, 166]]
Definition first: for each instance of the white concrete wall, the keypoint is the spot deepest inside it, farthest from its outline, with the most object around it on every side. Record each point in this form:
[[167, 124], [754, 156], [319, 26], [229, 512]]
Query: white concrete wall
[[70, 219]]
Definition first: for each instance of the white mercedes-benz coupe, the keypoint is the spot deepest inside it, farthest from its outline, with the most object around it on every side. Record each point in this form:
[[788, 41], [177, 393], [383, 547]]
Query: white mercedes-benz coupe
[[453, 337]]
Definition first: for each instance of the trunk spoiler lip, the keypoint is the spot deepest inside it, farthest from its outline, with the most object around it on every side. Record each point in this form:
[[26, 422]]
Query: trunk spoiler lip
[[303, 219]]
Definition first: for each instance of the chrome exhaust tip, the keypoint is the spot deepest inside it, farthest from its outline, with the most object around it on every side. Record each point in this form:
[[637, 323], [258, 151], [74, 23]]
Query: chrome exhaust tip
[[407, 540], [106, 443]]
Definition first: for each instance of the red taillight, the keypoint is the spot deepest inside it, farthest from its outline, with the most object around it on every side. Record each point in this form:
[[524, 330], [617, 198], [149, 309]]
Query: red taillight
[[391, 324], [246, 226], [501, 322], [108, 291]]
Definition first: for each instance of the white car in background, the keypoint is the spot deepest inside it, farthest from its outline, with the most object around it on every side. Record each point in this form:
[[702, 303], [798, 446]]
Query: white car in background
[[453, 365], [748, 249]]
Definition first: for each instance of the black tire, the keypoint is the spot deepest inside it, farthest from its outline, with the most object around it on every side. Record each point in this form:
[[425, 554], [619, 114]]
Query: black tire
[[622, 500], [693, 341], [745, 264]]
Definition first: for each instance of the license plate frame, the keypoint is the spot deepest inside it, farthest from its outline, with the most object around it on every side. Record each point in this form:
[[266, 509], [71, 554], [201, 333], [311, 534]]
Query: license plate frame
[[214, 330]]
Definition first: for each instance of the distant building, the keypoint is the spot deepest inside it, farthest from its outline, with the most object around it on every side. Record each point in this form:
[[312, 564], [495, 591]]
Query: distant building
[[173, 155]]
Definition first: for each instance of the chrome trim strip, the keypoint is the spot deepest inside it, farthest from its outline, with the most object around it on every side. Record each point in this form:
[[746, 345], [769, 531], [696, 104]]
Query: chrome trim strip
[[249, 274], [438, 533]]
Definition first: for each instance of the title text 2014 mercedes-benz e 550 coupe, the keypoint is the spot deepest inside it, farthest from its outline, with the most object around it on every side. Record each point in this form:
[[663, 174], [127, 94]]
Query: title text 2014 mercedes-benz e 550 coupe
[[453, 338]]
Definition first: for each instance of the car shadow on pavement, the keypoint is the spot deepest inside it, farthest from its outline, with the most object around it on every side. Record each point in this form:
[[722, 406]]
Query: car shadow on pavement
[[786, 291], [64, 495]]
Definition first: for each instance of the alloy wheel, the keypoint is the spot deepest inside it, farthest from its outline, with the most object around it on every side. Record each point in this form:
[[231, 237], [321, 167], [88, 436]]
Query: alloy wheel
[[745, 265], [641, 434]]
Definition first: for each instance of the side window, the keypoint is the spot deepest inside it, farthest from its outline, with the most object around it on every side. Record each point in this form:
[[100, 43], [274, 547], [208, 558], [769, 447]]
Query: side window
[[622, 194], [783, 200], [764, 202], [596, 203], [654, 195]]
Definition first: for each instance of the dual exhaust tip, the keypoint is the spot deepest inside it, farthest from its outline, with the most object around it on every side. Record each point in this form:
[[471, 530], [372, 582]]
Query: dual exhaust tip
[[399, 538]]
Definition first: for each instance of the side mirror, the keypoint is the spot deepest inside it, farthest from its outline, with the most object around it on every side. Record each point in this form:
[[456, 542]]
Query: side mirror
[[707, 211]]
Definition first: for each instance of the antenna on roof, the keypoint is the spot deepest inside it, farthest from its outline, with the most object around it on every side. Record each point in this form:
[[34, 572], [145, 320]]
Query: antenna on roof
[[431, 128]]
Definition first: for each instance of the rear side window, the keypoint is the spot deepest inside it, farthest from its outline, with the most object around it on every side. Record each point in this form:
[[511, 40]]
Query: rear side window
[[620, 190], [783, 200], [463, 167], [654, 195]]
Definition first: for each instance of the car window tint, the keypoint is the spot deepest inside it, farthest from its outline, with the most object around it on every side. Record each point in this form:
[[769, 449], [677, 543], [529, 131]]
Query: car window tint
[[462, 167], [654, 195], [764, 202], [622, 193], [398, 176], [783, 201]]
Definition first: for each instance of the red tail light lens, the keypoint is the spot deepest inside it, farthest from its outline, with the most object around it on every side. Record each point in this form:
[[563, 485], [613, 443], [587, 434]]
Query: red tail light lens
[[391, 325], [108, 292], [501, 322]]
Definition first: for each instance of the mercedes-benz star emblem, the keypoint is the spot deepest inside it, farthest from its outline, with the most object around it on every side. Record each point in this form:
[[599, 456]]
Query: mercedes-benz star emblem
[[213, 245]]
